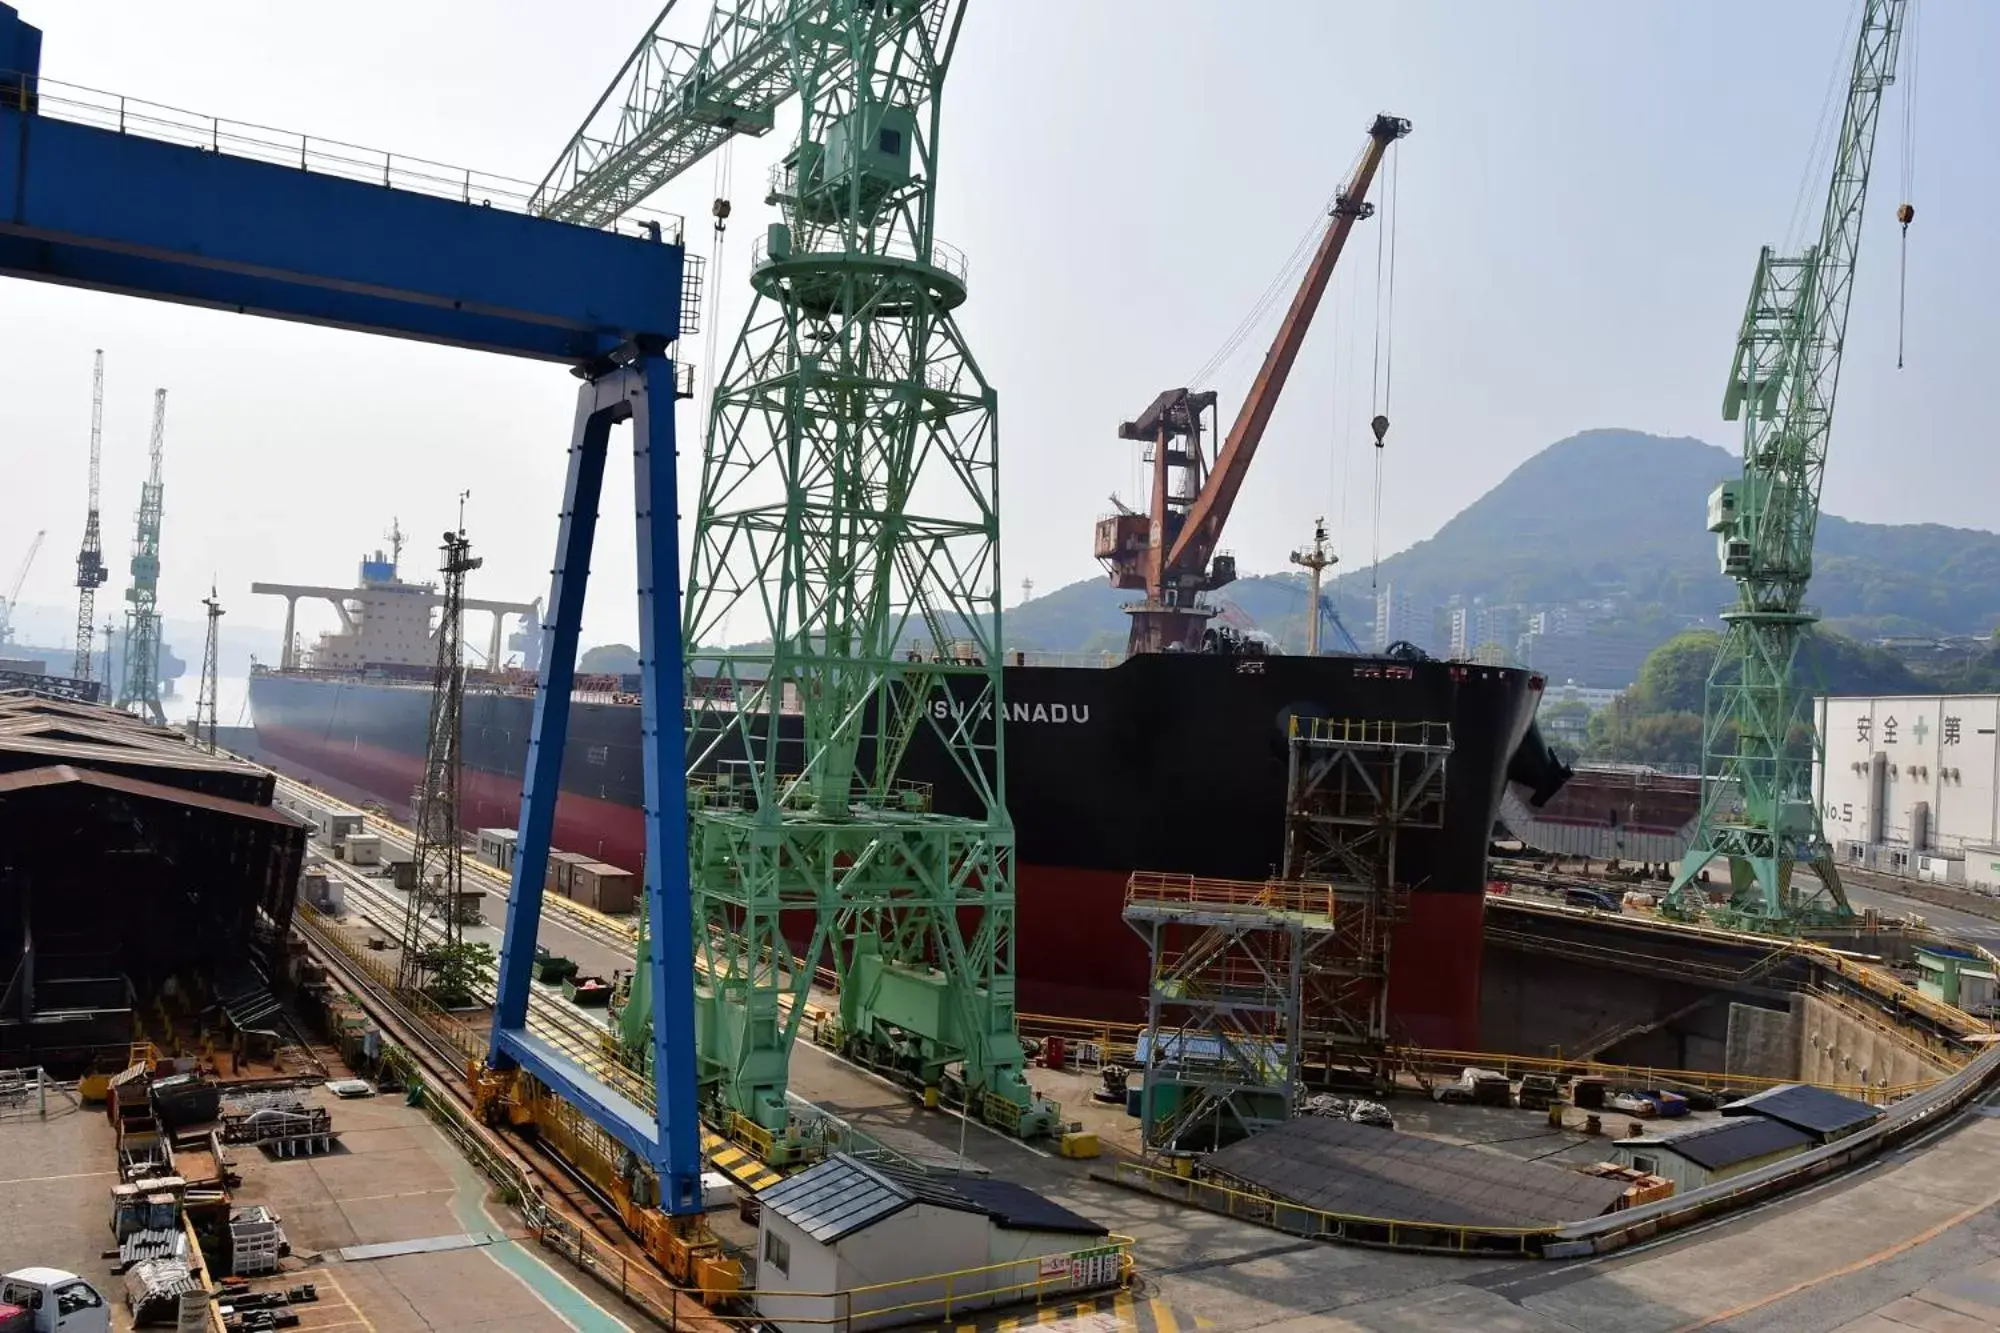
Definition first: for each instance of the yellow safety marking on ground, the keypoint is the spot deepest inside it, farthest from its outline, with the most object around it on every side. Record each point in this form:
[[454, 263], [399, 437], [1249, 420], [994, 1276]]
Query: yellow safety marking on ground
[[38, 1180], [1106, 1313], [738, 1165], [361, 1318]]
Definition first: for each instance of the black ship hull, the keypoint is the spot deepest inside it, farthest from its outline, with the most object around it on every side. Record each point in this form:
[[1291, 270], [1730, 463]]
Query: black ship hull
[[1170, 762]]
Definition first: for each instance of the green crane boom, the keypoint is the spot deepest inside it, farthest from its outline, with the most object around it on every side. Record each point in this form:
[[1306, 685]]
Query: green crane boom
[[847, 533], [1758, 738]]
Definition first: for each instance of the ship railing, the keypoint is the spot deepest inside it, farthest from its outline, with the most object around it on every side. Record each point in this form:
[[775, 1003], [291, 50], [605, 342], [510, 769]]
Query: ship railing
[[1372, 733], [310, 153], [1025, 658]]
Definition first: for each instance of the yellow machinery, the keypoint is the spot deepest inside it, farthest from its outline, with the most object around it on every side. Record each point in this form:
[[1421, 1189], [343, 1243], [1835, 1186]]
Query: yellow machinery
[[683, 1247]]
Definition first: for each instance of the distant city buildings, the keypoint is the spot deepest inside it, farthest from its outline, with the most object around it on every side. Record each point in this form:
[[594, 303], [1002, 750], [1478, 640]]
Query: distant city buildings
[[1395, 617], [1595, 643]]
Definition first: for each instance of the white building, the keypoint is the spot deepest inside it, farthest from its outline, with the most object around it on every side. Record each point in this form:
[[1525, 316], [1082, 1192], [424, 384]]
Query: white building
[[1908, 784], [1396, 618], [846, 1244]]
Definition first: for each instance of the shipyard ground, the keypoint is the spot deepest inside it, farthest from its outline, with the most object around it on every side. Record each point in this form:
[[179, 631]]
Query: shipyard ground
[[393, 1178], [1912, 1241]]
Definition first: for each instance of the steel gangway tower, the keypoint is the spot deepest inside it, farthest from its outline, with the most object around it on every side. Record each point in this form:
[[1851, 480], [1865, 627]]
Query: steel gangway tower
[[141, 690], [1759, 741], [205, 701], [437, 889], [849, 509], [90, 571]]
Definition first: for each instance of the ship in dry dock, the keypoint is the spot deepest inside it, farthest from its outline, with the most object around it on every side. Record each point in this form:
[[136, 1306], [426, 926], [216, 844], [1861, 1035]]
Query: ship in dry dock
[[1166, 761]]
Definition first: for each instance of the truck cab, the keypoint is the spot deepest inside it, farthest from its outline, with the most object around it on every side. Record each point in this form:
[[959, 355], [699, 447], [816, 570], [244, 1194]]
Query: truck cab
[[54, 1301]]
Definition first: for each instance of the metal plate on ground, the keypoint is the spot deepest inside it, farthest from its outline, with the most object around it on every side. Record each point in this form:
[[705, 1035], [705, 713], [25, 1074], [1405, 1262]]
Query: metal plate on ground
[[1337, 1166], [423, 1245]]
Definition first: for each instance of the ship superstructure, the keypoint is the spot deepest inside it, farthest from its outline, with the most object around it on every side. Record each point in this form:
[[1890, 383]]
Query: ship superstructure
[[387, 622]]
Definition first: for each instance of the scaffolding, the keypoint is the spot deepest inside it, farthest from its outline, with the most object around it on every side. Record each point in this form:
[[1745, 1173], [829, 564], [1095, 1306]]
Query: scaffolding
[[1353, 790], [1256, 987], [1218, 1057]]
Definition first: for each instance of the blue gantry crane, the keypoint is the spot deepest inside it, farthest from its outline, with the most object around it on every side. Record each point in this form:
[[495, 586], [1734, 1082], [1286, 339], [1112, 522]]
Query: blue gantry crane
[[219, 219]]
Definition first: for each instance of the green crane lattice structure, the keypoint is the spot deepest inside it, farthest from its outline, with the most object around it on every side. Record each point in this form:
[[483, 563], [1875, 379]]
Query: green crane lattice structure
[[141, 690], [847, 528], [1759, 743]]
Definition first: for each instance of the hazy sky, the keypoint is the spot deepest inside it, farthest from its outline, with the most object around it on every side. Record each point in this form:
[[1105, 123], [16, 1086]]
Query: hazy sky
[[1578, 213]]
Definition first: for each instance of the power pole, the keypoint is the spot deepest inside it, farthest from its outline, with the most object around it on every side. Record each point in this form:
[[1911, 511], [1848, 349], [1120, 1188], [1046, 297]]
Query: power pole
[[1316, 559], [90, 570], [110, 639], [205, 701], [437, 863], [141, 691]]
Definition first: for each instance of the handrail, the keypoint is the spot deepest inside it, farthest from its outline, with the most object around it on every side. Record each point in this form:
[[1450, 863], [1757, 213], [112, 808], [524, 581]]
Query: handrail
[[320, 156], [1158, 888], [1354, 1228]]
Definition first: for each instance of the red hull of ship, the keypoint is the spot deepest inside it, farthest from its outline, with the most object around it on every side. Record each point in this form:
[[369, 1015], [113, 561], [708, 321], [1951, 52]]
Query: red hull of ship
[[1075, 956]]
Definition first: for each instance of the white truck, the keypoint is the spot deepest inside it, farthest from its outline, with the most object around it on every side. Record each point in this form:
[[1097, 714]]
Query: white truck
[[48, 1300]]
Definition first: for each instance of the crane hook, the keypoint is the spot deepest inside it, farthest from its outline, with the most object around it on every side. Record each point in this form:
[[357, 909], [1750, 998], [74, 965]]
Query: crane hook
[[1906, 213], [1380, 425]]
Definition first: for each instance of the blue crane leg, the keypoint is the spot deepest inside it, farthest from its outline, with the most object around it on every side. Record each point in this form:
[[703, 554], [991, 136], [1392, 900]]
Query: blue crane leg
[[669, 1140], [549, 728], [663, 749]]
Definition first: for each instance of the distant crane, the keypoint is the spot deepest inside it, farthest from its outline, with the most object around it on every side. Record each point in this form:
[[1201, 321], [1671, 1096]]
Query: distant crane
[[1169, 551], [1758, 738], [141, 691], [13, 597], [90, 570], [205, 700]]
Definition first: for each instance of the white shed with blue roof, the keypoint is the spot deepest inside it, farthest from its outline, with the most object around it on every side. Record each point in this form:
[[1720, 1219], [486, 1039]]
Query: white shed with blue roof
[[859, 1245]]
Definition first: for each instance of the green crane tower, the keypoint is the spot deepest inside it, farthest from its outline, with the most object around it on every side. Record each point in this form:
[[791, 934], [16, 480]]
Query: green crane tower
[[847, 529], [1759, 742], [141, 690]]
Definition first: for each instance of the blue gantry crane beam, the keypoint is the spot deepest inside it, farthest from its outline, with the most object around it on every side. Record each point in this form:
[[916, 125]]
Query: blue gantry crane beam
[[1759, 742], [235, 218]]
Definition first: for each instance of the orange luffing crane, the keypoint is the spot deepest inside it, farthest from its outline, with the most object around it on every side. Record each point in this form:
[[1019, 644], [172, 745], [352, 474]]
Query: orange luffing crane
[[1168, 552]]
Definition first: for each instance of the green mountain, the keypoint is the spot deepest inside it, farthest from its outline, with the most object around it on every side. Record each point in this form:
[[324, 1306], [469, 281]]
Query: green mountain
[[1619, 511], [1613, 516]]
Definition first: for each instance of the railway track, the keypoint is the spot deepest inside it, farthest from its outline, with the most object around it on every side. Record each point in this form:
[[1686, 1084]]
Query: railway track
[[578, 1034], [565, 1209]]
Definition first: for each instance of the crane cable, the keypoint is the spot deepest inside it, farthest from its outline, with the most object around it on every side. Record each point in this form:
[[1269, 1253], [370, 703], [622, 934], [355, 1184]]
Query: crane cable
[[1383, 375], [1906, 212], [1284, 281], [725, 162]]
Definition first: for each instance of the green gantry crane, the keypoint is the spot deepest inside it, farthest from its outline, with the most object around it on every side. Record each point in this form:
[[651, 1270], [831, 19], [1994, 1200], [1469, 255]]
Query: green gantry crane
[[1759, 741], [141, 691], [848, 529]]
